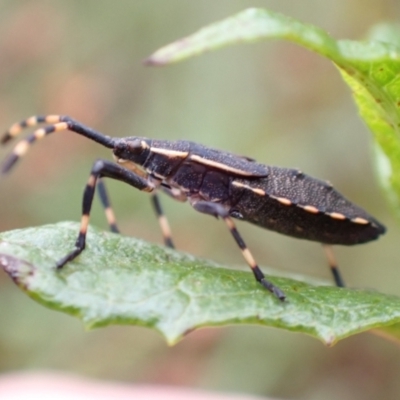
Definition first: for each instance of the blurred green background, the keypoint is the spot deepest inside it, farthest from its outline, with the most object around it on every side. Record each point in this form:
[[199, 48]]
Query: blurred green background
[[272, 101]]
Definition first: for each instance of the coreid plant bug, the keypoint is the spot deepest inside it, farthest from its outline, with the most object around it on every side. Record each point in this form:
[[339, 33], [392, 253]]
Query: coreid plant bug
[[214, 182]]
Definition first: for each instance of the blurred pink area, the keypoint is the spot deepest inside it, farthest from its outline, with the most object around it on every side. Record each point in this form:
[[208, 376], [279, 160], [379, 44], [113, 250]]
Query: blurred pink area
[[46, 386]]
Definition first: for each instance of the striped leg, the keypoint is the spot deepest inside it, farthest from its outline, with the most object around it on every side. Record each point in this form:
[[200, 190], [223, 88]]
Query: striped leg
[[165, 229], [218, 210], [55, 123], [333, 265], [101, 168], [105, 201]]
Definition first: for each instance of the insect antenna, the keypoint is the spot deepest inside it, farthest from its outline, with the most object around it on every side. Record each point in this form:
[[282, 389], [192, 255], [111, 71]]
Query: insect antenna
[[56, 123], [18, 127]]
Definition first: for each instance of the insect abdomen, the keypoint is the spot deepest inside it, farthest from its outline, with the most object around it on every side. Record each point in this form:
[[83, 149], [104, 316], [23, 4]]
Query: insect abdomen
[[294, 204]]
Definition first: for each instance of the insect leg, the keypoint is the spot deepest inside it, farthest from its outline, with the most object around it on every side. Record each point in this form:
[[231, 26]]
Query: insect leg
[[162, 220], [333, 266], [105, 201], [56, 123], [101, 168], [218, 210], [176, 194]]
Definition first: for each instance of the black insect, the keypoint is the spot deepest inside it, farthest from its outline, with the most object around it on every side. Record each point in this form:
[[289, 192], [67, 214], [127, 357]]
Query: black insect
[[217, 183]]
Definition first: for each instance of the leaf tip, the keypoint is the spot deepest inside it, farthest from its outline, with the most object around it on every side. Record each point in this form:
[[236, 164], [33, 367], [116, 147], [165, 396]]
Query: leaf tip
[[152, 62], [330, 340]]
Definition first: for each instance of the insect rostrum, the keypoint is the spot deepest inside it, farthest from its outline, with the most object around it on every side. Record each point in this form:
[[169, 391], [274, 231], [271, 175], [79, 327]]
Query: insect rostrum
[[214, 182]]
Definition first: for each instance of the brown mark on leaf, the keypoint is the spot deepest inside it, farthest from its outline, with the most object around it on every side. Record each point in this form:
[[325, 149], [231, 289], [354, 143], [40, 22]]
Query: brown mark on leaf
[[190, 330], [17, 269]]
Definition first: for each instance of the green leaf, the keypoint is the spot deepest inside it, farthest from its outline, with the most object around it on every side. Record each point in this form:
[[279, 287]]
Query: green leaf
[[120, 280], [371, 69]]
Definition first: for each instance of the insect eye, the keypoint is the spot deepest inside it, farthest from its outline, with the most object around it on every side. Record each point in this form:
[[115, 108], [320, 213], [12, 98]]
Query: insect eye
[[136, 146], [134, 149]]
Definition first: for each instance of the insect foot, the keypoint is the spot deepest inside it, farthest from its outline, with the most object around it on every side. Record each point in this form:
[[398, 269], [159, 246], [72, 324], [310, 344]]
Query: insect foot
[[217, 210]]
